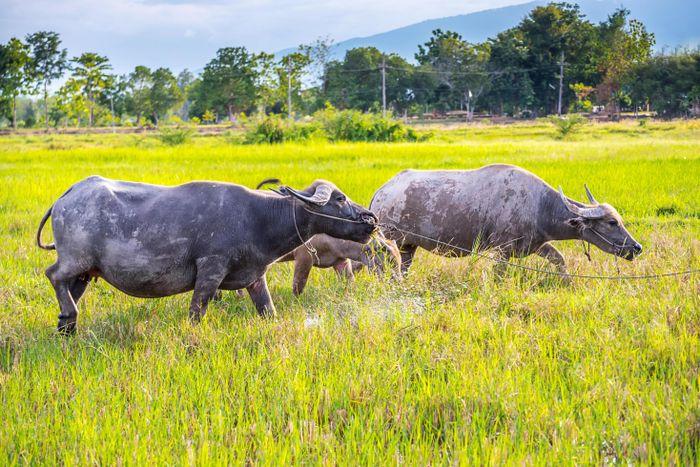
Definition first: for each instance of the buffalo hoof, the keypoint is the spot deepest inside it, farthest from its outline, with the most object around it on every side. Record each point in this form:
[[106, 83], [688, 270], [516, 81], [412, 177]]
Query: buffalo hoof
[[195, 318], [66, 327]]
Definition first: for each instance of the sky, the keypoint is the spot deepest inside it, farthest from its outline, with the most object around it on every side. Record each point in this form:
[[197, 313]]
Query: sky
[[187, 33]]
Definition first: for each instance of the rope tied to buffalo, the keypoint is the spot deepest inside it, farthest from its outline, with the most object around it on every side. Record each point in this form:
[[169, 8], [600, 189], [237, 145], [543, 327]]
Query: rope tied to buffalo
[[687, 272]]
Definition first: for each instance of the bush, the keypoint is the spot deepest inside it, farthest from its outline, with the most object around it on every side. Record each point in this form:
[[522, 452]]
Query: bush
[[332, 125], [273, 129], [175, 136], [352, 125], [568, 125]]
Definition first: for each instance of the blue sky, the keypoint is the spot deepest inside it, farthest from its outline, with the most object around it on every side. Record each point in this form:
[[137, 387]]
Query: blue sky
[[186, 33]]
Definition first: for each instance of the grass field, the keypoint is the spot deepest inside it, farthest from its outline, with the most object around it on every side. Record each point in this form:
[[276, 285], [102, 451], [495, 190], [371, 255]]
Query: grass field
[[451, 364]]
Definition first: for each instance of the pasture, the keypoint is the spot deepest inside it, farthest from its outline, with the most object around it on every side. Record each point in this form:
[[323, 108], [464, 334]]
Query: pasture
[[451, 364]]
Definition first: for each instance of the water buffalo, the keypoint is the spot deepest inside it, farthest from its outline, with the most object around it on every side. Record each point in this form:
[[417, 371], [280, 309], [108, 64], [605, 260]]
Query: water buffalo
[[500, 207], [344, 256], [155, 241]]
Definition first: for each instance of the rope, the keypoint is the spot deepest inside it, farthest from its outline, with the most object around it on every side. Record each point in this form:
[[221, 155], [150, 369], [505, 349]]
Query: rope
[[545, 271], [309, 247]]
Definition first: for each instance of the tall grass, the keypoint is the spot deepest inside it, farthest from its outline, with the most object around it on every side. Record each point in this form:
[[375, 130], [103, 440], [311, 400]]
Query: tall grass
[[451, 365]]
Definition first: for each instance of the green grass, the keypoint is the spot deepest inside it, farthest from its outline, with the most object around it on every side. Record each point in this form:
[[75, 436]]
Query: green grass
[[451, 364]]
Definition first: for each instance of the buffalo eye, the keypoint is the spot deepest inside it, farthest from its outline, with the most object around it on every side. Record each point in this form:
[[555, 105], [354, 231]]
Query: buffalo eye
[[340, 199], [612, 223]]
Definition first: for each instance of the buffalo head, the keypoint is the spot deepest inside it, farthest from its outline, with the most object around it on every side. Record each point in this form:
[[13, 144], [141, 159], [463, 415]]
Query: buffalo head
[[601, 225], [332, 212]]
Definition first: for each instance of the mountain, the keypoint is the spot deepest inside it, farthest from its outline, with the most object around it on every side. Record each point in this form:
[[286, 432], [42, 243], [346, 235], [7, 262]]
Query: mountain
[[674, 22]]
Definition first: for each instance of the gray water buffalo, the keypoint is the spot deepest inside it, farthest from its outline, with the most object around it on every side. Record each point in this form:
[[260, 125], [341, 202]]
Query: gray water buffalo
[[155, 241], [499, 207], [345, 256]]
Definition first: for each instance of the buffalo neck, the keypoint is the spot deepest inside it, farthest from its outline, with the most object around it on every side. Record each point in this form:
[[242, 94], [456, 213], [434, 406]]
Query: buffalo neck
[[554, 217], [281, 235]]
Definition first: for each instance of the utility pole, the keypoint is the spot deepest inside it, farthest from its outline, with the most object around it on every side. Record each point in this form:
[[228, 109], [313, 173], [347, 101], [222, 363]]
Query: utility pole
[[289, 91], [383, 68], [561, 81], [111, 106]]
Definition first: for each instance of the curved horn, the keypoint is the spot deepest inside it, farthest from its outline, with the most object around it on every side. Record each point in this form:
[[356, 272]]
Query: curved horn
[[320, 197], [269, 181], [587, 213], [590, 195]]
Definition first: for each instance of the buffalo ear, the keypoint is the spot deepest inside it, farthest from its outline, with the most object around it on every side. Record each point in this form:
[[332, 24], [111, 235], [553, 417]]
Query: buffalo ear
[[578, 223]]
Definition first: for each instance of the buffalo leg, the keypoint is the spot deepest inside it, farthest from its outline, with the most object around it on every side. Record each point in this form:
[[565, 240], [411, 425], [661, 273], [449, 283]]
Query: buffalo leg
[[344, 269], [77, 289], [62, 278], [261, 297], [407, 252], [553, 255], [302, 269], [210, 272]]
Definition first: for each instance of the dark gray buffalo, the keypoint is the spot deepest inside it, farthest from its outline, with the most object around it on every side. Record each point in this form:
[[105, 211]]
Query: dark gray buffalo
[[500, 207], [155, 241]]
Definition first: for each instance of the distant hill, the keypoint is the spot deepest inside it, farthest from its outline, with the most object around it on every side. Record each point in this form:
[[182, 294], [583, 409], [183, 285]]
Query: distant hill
[[674, 22]]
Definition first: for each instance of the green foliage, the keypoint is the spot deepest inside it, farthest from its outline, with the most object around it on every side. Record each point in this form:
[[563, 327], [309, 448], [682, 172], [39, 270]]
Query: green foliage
[[332, 125], [15, 75], [208, 117], [140, 82], [175, 136], [90, 78], [567, 125], [273, 129], [671, 84], [352, 125], [347, 88], [164, 93], [48, 62], [231, 82]]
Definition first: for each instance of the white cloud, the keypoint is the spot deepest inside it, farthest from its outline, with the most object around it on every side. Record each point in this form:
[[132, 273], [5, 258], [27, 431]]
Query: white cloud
[[181, 33]]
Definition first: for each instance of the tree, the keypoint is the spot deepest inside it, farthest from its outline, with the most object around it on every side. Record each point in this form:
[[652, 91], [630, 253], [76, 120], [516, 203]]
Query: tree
[[319, 53], [554, 34], [14, 76], [356, 82], [232, 81], [461, 67], [185, 79], [669, 84], [90, 75], [290, 71], [621, 45], [70, 103], [511, 90], [48, 62], [115, 96], [139, 85], [164, 93]]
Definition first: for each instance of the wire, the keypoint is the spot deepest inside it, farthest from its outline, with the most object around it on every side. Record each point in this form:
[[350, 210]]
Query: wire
[[545, 271]]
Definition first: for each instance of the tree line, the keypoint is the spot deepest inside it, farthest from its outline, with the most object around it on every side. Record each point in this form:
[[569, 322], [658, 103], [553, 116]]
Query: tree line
[[554, 61]]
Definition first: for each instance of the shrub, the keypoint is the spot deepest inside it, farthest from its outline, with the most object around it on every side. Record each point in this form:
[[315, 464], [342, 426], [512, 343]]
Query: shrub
[[568, 125], [208, 117], [333, 125], [273, 129], [352, 125], [175, 136]]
